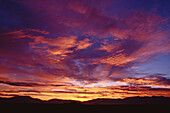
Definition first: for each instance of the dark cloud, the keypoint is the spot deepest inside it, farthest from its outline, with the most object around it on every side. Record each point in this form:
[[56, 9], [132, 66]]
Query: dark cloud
[[75, 92], [22, 84], [28, 90], [17, 16], [159, 89]]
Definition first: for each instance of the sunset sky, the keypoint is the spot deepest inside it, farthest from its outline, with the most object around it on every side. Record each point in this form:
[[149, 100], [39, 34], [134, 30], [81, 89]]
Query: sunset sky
[[84, 49]]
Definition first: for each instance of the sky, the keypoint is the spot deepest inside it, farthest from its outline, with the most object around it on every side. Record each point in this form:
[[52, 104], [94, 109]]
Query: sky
[[84, 49]]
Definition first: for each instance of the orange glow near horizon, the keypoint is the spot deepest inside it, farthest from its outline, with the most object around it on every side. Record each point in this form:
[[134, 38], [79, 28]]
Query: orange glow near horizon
[[83, 93]]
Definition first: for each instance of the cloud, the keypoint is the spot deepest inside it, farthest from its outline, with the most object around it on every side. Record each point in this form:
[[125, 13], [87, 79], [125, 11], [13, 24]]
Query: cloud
[[130, 37], [83, 44], [79, 43], [113, 92], [150, 81], [22, 84]]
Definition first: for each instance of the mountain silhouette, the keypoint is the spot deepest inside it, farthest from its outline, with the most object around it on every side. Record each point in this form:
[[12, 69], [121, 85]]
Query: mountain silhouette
[[129, 100], [58, 101], [20, 99], [28, 99], [131, 104]]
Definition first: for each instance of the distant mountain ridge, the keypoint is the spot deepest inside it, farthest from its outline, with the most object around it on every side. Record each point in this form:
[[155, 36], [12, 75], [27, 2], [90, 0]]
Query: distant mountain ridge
[[28, 99], [129, 100]]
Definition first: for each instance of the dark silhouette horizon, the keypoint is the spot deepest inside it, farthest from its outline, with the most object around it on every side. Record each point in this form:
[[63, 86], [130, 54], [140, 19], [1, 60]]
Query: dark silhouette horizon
[[99, 101]]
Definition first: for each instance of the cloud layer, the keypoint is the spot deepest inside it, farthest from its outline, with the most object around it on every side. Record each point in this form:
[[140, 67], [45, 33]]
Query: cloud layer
[[87, 46]]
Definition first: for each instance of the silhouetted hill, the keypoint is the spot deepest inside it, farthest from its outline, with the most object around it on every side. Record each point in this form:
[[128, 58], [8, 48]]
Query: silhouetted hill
[[133, 104], [58, 101], [20, 99], [130, 100], [27, 99]]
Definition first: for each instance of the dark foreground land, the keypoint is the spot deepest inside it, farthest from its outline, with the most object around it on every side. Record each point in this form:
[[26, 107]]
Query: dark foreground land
[[67, 108], [133, 105]]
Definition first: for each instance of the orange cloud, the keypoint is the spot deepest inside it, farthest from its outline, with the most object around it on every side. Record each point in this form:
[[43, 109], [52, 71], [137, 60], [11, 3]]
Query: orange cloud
[[109, 47], [83, 44], [86, 93], [116, 60]]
